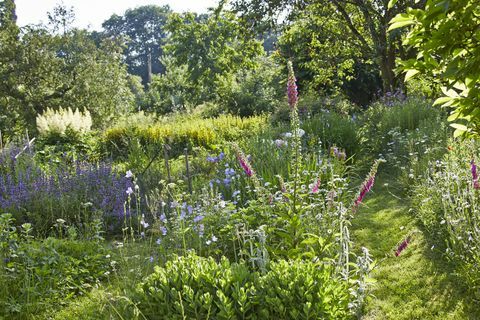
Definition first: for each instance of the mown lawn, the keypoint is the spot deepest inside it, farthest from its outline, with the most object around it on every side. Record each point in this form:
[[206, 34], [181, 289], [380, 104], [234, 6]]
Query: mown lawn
[[419, 284]]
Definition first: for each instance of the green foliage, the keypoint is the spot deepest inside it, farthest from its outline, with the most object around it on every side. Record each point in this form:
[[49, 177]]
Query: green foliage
[[445, 35], [447, 201], [53, 71], [37, 275], [254, 91], [330, 129], [208, 133], [214, 49], [171, 91], [201, 288], [142, 32], [332, 58], [409, 115]]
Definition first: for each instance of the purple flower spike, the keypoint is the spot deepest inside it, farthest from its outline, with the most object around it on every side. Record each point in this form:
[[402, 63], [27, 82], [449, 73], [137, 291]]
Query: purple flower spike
[[292, 87], [473, 168]]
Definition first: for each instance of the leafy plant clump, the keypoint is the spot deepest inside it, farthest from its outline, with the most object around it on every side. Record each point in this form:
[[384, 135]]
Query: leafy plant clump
[[447, 202], [201, 288]]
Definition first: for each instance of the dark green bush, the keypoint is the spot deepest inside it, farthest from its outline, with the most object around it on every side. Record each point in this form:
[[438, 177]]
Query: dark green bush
[[200, 288]]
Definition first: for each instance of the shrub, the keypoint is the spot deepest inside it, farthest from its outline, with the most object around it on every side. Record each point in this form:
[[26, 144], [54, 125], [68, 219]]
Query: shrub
[[201, 288], [254, 91], [183, 132]]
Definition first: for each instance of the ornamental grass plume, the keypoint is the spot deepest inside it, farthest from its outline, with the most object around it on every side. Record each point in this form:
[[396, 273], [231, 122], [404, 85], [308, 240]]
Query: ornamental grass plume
[[292, 92], [473, 169]]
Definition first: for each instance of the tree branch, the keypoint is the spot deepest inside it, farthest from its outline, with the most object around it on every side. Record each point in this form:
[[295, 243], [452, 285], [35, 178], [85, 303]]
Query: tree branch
[[349, 22]]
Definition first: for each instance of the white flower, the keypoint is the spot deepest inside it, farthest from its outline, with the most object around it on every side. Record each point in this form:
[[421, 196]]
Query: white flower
[[214, 239], [280, 143], [300, 132], [288, 135]]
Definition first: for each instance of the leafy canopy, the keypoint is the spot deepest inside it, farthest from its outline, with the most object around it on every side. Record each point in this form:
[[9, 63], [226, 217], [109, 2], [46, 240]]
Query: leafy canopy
[[447, 38]]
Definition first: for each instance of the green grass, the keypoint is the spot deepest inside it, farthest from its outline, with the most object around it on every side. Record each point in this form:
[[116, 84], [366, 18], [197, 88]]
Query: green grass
[[419, 284]]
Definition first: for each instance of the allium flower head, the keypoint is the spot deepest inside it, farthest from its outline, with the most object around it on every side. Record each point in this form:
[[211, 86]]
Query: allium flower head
[[292, 87], [129, 174]]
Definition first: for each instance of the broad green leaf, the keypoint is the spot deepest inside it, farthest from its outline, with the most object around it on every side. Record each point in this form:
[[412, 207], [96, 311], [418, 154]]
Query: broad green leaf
[[450, 92], [411, 73], [442, 101], [391, 3], [400, 24]]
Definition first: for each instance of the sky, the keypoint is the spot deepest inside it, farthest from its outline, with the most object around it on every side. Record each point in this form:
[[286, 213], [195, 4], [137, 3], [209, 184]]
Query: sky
[[91, 13]]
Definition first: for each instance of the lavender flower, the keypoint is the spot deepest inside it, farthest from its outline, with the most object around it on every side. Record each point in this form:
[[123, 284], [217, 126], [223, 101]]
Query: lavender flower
[[212, 159], [198, 219]]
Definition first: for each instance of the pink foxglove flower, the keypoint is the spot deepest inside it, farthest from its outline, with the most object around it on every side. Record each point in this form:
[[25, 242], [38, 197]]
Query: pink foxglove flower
[[292, 87], [402, 246], [246, 166], [367, 184], [316, 186], [244, 161], [473, 168]]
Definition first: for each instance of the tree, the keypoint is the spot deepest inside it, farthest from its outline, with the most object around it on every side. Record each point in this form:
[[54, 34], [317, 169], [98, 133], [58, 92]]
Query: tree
[[213, 49], [365, 20], [446, 35], [69, 71], [142, 30]]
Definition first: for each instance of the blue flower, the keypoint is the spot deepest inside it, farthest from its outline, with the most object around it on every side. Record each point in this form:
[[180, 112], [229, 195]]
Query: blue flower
[[212, 159], [163, 230], [198, 219]]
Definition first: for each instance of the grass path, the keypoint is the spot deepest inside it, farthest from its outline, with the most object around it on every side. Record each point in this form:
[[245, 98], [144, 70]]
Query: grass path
[[416, 285]]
